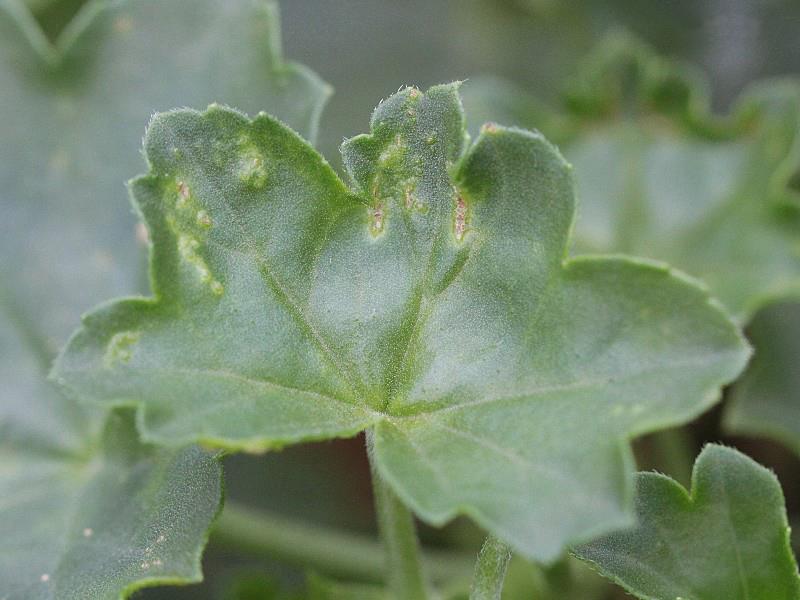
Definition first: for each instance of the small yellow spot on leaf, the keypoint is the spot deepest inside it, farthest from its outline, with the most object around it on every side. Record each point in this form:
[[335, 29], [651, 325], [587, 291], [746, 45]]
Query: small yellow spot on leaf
[[203, 219], [120, 349], [252, 170], [409, 198]]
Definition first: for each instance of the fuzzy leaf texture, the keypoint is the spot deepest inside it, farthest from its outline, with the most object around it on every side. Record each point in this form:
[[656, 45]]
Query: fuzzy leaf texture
[[728, 539], [71, 120], [658, 176], [430, 301], [86, 510]]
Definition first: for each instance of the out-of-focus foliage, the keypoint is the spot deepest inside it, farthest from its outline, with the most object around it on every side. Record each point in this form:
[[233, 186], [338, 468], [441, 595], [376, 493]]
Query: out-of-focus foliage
[[766, 400], [88, 511], [716, 196], [658, 176], [72, 116]]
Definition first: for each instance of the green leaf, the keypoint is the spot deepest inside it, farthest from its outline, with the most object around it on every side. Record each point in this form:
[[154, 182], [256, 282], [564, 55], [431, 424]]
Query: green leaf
[[72, 116], [431, 302], [728, 539], [252, 585], [86, 510], [320, 588], [765, 401], [658, 176]]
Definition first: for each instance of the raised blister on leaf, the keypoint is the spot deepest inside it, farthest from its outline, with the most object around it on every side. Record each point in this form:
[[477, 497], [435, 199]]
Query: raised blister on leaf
[[431, 301]]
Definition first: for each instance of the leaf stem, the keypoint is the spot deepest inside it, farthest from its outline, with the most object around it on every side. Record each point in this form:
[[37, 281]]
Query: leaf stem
[[329, 551], [406, 579], [490, 570]]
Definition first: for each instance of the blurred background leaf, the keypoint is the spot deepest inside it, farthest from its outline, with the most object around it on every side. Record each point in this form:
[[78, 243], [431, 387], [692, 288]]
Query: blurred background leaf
[[72, 116]]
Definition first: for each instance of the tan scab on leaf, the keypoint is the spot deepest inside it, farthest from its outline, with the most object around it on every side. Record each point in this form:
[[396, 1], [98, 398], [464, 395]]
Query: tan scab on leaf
[[251, 164], [377, 216], [460, 226], [183, 194]]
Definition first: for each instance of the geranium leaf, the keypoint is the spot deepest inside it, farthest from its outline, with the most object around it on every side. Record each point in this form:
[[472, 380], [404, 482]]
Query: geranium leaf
[[765, 401], [658, 176], [431, 301], [728, 539], [86, 511], [72, 119]]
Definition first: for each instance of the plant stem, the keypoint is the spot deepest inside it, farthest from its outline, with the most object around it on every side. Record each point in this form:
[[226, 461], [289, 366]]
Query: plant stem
[[490, 570], [406, 579], [329, 551]]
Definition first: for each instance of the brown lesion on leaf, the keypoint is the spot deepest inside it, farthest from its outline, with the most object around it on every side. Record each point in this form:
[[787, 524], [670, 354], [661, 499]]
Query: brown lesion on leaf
[[376, 219], [460, 225], [183, 193]]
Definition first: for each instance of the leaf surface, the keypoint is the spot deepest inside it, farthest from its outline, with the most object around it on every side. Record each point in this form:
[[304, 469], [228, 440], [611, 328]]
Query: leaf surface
[[728, 539], [86, 510], [431, 301], [658, 176], [71, 119]]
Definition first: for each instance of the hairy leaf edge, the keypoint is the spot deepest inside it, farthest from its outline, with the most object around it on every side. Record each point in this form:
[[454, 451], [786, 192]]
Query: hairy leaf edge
[[627, 517], [690, 496]]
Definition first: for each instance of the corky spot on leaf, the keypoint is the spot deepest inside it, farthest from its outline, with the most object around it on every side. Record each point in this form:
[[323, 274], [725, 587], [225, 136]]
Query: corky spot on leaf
[[502, 381], [728, 539]]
